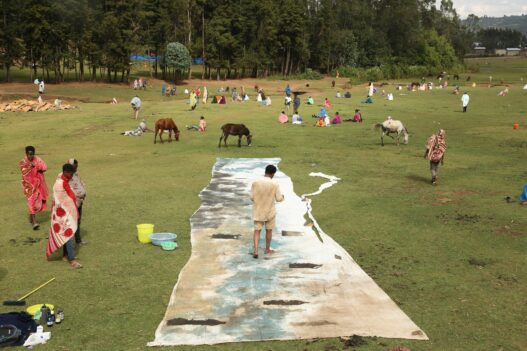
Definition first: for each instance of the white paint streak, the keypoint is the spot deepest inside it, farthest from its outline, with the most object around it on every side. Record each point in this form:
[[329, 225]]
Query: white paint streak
[[332, 181]]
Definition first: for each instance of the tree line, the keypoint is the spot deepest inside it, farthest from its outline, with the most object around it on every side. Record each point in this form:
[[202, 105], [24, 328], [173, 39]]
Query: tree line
[[496, 37], [93, 39]]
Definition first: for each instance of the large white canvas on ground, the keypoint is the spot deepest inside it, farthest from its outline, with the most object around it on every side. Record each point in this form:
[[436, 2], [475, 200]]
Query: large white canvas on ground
[[309, 288]]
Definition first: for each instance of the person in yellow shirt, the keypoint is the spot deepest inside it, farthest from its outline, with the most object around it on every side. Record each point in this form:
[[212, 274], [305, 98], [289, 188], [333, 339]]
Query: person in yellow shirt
[[264, 193]]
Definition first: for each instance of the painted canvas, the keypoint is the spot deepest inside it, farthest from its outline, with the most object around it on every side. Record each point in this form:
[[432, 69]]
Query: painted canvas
[[310, 288]]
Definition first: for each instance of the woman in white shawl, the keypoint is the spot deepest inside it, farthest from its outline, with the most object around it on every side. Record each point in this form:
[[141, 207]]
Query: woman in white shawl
[[205, 95]]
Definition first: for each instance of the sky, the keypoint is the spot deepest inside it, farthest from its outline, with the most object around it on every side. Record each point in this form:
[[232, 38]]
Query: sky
[[491, 8]]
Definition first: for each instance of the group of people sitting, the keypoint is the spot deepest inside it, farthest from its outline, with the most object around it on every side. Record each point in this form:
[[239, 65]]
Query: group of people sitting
[[168, 90], [262, 99], [140, 84], [323, 119], [347, 95], [239, 97]]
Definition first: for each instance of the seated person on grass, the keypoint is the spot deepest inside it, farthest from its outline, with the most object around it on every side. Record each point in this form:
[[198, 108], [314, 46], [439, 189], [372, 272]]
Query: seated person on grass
[[337, 119], [283, 118], [202, 125], [296, 119], [142, 128], [357, 118], [320, 122], [368, 100]]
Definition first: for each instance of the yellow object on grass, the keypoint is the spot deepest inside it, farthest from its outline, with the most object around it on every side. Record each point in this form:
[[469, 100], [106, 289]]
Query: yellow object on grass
[[35, 308], [143, 232]]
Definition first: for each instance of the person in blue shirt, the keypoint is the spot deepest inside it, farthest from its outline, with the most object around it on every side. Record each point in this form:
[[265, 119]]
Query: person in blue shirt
[[288, 90]]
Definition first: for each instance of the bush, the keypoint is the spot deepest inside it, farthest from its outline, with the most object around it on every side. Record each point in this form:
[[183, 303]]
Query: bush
[[392, 71], [374, 74], [416, 71], [311, 75]]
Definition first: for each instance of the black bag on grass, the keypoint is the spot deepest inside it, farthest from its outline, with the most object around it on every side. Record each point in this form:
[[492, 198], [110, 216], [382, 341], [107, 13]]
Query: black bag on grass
[[19, 324], [9, 335]]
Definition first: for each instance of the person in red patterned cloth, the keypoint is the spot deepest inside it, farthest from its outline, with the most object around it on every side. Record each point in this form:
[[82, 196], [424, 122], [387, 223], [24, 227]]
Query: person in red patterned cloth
[[34, 184], [64, 217], [435, 152]]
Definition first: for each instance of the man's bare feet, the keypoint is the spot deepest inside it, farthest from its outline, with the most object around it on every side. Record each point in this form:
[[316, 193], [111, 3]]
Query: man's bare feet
[[269, 252]]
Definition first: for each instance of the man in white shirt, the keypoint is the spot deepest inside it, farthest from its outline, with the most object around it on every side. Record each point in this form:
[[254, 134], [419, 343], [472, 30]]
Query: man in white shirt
[[464, 101], [264, 193], [41, 87]]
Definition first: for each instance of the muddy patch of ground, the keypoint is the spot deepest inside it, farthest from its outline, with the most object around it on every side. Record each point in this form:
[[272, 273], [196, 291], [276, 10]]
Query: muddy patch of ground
[[514, 230], [353, 341], [27, 241], [459, 218], [480, 262]]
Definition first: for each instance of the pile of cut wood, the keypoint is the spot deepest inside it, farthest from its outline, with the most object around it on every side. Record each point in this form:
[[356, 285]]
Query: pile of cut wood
[[24, 105]]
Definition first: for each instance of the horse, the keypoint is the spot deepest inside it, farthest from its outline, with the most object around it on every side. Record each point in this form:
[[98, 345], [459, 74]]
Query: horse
[[166, 124], [235, 129], [392, 126]]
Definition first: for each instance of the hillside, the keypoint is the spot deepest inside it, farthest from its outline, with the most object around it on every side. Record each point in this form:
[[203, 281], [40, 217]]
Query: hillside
[[512, 22]]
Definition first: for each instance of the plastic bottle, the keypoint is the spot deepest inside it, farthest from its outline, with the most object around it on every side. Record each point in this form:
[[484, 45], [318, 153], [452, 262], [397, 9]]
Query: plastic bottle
[[59, 317], [44, 311], [51, 319]]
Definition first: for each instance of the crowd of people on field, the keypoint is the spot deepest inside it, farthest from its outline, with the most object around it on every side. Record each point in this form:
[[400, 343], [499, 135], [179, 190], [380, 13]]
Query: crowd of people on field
[[69, 192]]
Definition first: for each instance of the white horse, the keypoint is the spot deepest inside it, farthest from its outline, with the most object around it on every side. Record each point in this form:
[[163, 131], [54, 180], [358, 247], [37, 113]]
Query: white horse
[[392, 126]]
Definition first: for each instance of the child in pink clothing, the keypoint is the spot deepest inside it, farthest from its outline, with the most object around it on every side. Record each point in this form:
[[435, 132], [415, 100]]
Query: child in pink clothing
[[202, 124]]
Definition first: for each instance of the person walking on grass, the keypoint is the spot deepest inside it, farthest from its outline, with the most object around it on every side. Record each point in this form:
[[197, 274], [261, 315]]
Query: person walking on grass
[[264, 193], [136, 106], [64, 217], [464, 101], [41, 87], [34, 184], [193, 100], [435, 152], [77, 185]]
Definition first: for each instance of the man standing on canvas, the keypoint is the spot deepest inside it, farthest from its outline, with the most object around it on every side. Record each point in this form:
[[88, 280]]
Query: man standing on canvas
[[264, 193]]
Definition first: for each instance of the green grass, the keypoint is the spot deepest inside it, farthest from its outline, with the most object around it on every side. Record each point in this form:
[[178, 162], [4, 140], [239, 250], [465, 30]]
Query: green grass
[[503, 70], [452, 256]]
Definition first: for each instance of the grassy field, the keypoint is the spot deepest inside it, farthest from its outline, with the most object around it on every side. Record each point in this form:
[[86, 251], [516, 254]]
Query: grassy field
[[452, 256]]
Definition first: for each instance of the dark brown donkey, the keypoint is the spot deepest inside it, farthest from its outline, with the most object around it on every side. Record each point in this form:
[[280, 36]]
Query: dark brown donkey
[[235, 129], [166, 124]]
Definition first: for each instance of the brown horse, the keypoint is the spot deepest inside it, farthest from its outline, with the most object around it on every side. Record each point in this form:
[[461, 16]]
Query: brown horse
[[166, 124], [235, 129]]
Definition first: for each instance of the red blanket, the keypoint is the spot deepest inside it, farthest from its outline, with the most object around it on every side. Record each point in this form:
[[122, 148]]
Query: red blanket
[[64, 215]]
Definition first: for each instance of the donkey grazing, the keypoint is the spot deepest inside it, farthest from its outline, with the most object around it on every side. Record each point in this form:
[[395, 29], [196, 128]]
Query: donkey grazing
[[235, 129], [392, 126], [166, 124]]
